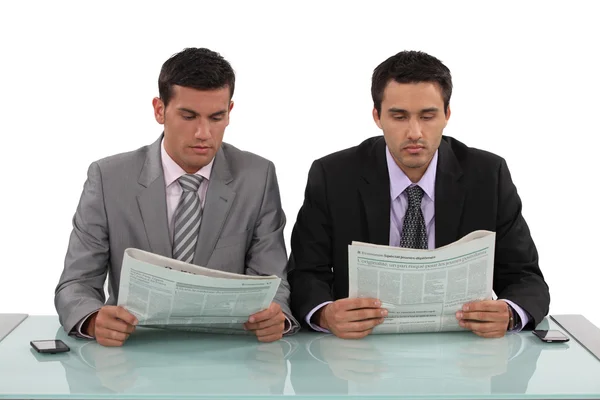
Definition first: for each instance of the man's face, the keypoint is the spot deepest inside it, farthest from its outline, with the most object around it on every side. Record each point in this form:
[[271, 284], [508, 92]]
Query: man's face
[[194, 123], [412, 119]]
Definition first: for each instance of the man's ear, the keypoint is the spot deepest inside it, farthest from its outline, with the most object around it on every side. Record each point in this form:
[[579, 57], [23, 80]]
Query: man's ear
[[376, 118], [159, 110], [447, 115]]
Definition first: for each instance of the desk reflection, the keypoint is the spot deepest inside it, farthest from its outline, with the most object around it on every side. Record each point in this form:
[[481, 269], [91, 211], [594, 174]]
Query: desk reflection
[[168, 362], [163, 362], [449, 363]]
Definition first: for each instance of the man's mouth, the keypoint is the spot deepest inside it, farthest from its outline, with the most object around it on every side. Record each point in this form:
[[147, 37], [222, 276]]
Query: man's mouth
[[200, 149], [414, 149]]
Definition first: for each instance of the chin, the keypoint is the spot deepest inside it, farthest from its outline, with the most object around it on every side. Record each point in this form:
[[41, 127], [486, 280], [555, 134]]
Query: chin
[[414, 163]]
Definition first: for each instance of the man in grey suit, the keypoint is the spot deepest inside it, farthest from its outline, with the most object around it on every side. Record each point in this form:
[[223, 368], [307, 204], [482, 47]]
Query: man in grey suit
[[187, 196]]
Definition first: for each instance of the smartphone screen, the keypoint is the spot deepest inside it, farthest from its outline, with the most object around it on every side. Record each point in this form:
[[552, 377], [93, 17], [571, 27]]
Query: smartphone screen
[[50, 346], [551, 336]]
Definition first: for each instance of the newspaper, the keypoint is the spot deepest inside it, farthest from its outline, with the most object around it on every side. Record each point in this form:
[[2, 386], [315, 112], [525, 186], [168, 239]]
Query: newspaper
[[423, 289], [166, 293]]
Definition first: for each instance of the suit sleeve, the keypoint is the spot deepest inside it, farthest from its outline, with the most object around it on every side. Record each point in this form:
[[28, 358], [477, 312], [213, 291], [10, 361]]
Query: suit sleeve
[[517, 275], [267, 254], [311, 274], [80, 290]]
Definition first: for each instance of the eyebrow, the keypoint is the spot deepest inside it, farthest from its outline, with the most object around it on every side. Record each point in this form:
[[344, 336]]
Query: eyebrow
[[216, 114], [423, 111]]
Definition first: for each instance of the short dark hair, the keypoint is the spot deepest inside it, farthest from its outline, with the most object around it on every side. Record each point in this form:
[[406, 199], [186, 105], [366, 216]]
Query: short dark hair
[[410, 67], [196, 68]]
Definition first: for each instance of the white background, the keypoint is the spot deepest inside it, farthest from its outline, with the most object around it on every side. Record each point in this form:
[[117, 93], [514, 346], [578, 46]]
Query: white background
[[77, 82]]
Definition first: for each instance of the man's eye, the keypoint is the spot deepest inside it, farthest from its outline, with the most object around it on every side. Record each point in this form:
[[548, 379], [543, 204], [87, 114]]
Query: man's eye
[[399, 117], [427, 117], [188, 117], [220, 118]]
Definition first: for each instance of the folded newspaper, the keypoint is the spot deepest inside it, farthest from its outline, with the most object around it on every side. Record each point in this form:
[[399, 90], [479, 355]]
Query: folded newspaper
[[423, 289], [166, 293]]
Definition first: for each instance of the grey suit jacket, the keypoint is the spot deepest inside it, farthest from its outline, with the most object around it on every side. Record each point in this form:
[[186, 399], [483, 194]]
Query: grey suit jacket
[[123, 205]]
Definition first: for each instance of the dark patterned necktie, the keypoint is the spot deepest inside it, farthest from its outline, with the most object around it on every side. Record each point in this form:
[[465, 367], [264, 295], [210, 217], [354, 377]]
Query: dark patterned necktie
[[414, 233], [187, 218]]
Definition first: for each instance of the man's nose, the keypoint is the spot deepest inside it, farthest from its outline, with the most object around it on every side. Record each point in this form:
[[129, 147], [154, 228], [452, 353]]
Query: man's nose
[[203, 130], [414, 130]]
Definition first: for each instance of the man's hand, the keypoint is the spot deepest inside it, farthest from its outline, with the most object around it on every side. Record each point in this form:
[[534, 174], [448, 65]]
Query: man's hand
[[268, 325], [487, 318], [111, 325], [351, 318]]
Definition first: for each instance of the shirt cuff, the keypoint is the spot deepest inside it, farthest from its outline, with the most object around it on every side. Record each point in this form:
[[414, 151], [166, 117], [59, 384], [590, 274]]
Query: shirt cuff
[[310, 314], [77, 330], [288, 325], [522, 316]]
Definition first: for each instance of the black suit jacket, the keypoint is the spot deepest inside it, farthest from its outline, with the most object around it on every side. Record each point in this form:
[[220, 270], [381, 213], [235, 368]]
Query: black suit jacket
[[348, 198]]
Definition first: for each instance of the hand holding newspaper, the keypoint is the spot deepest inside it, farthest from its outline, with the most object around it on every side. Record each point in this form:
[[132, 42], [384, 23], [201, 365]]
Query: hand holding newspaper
[[423, 289], [167, 293]]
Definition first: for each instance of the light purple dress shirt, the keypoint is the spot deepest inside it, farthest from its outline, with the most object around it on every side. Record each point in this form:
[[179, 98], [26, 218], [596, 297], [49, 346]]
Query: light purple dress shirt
[[399, 203]]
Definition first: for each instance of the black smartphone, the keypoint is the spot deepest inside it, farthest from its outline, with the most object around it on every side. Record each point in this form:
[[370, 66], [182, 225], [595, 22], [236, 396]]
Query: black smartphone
[[551, 336], [49, 346]]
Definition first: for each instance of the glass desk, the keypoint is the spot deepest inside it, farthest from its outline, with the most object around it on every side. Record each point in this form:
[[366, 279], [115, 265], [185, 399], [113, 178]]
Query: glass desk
[[159, 364]]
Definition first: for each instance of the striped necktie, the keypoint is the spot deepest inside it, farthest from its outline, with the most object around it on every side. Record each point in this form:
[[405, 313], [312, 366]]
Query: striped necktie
[[187, 218]]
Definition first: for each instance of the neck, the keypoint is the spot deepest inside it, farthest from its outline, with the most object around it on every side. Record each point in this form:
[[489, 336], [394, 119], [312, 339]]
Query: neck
[[414, 174]]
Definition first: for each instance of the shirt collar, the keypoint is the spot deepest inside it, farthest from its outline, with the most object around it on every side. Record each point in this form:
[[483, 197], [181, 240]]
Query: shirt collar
[[399, 181], [173, 171]]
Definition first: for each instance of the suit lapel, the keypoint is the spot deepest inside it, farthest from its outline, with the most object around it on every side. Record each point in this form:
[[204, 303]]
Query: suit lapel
[[374, 190], [219, 198], [449, 196], [152, 201]]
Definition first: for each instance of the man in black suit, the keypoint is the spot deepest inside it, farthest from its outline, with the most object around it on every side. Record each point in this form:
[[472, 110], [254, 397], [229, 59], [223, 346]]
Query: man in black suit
[[413, 188]]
